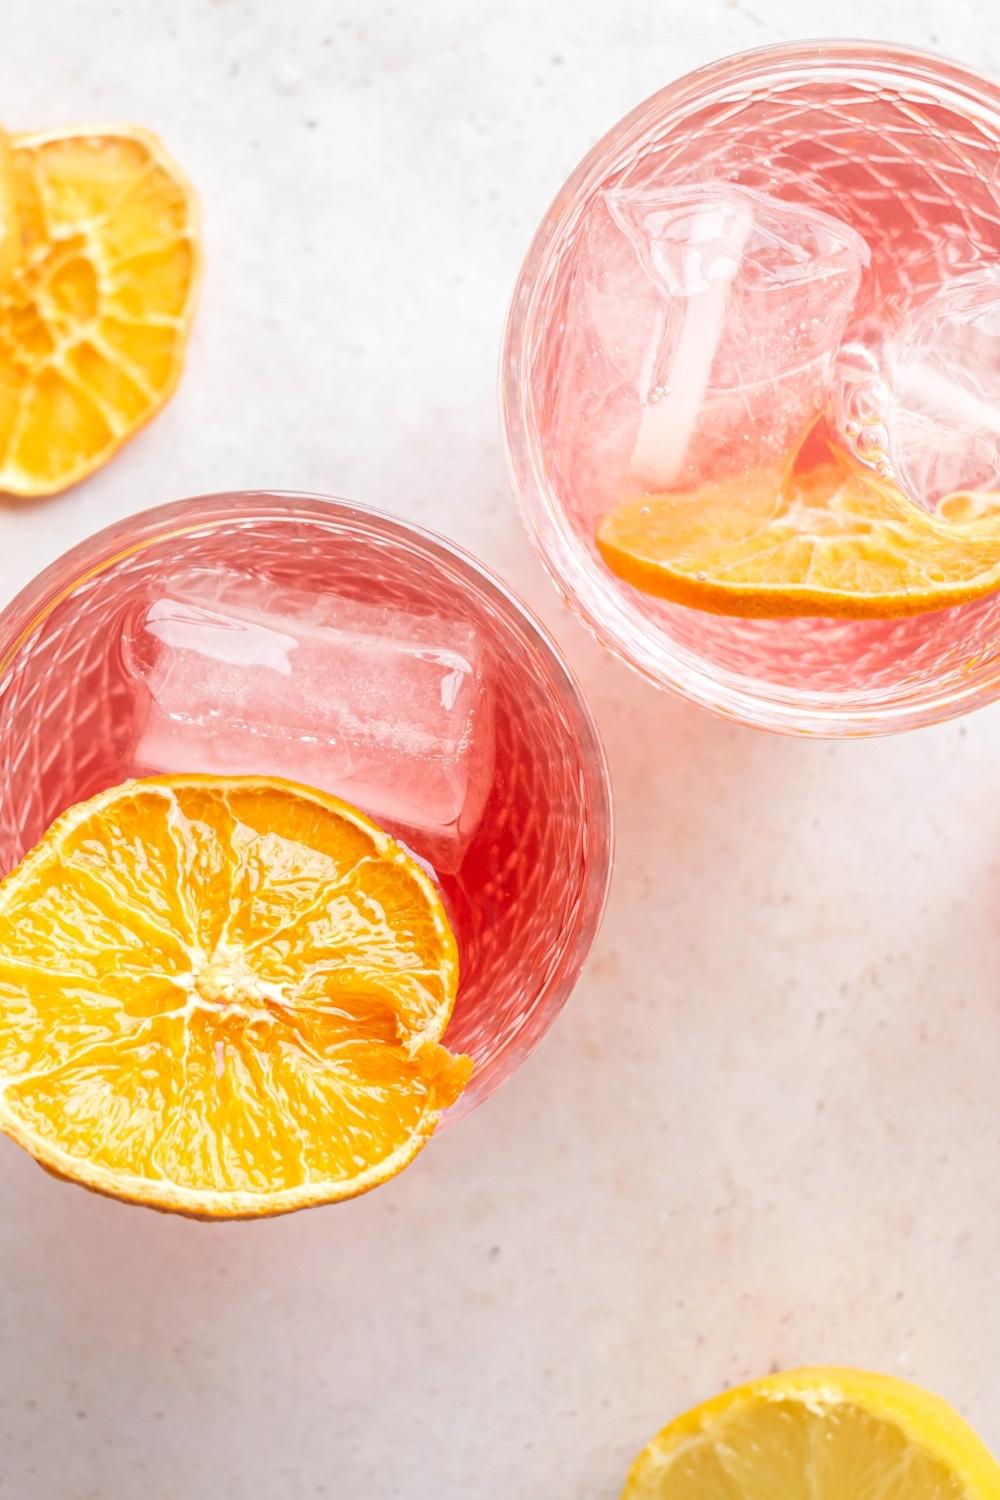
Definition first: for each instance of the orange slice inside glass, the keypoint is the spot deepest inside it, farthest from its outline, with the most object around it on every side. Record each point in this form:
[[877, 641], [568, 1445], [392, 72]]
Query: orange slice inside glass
[[96, 302], [829, 541], [223, 996]]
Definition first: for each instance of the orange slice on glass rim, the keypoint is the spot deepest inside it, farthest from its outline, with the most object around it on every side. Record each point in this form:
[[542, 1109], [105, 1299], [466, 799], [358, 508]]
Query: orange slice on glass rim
[[225, 997], [827, 541], [96, 301], [825, 1433]]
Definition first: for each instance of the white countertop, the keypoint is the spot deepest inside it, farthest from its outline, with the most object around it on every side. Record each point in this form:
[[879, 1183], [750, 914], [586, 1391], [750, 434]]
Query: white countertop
[[766, 1129]]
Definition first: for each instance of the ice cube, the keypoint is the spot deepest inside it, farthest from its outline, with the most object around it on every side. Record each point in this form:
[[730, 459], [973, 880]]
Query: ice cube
[[383, 708], [722, 310], [943, 379]]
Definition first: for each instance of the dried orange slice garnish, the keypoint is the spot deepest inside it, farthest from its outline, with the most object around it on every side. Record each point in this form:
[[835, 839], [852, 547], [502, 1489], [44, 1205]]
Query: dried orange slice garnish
[[223, 996], [825, 1433], [96, 306], [8, 216], [829, 541]]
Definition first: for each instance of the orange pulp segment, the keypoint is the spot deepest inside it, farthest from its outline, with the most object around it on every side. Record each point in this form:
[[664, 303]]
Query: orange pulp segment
[[96, 305], [829, 541], [223, 996], [826, 1433]]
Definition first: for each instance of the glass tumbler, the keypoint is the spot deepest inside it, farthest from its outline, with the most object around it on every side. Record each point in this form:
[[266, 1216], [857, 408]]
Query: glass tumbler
[[528, 896], [902, 148]]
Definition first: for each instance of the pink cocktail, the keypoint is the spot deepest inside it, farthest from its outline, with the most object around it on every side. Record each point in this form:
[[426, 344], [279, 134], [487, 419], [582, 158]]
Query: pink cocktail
[[284, 634], [798, 240]]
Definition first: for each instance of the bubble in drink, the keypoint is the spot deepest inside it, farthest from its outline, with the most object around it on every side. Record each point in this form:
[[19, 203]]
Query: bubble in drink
[[387, 709]]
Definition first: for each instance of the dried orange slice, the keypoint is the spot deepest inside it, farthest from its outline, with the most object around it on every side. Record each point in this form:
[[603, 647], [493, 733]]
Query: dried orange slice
[[95, 311], [8, 216], [825, 542], [223, 996], [829, 1434]]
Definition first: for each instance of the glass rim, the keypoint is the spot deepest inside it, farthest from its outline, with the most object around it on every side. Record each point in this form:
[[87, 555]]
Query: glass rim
[[133, 534], [596, 598]]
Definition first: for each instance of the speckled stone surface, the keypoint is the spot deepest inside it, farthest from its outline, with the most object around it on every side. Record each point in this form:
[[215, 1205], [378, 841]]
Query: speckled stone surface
[[765, 1130]]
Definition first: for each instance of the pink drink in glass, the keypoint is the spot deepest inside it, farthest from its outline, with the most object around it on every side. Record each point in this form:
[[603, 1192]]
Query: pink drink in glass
[[882, 165], [526, 880]]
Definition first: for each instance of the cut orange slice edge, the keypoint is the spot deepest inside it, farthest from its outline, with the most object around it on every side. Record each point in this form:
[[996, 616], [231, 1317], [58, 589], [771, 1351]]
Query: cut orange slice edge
[[97, 300], [225, 997], [8, 214], [825, 542], [825, 1433]]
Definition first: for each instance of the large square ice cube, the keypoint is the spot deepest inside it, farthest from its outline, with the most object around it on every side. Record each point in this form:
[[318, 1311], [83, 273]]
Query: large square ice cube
[[386, 709], [921, 403], [943, 410], [702, 326]]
